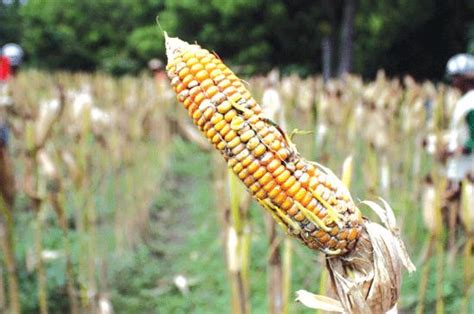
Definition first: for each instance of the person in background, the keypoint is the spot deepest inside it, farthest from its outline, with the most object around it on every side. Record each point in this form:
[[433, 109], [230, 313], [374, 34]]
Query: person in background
[[459, 153], [11, 56], [460, 150], [14, 54], [158, 69]]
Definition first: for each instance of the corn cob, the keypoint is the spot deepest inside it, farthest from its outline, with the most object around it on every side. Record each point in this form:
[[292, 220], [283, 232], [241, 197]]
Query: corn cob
[[304, 197]]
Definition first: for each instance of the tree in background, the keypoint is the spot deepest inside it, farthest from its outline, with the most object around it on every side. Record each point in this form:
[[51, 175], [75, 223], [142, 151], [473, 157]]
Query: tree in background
[[402, 36]]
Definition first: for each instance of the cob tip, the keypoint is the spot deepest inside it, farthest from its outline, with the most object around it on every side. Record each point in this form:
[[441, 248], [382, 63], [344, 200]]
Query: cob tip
[[174, 46]]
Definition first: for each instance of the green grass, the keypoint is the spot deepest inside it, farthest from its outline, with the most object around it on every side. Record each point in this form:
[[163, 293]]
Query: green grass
[[183, 236]]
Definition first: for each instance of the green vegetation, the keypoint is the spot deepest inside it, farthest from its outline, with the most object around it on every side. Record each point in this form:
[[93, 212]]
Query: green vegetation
[[402, 36], [148, 212]]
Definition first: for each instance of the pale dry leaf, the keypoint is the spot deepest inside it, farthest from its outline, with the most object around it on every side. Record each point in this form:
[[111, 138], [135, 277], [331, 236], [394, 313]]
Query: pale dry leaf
[[318, 302]]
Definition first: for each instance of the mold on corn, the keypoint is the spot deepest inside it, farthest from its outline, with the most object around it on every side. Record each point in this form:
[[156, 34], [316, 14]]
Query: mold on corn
[[304, 197]]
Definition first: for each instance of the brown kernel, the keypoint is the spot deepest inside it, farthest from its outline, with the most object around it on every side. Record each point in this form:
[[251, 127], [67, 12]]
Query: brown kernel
[[332, 243], [352, 234], [293, 211], [325, 238], [261, 194], [299, 216]]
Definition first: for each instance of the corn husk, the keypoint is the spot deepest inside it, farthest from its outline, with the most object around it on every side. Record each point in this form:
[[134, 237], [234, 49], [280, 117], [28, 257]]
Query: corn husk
[[368, 279]]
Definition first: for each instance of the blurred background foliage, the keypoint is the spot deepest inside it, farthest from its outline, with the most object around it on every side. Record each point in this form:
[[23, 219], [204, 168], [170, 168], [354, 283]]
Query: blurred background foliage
[[120, 36]]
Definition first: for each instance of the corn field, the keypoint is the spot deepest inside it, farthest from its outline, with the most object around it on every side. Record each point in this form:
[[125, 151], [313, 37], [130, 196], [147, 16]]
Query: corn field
[[112, 202]]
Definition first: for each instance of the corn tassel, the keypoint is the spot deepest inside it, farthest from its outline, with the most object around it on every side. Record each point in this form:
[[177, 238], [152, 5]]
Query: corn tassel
[[305, 198]]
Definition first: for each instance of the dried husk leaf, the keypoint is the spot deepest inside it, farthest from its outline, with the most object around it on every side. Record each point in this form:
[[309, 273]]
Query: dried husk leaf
[[320, 302], [368, 279]]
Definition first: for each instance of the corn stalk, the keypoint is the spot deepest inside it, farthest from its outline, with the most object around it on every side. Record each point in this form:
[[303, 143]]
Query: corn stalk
[[8, 248], [3, 301], [56, 198], [7, 199]]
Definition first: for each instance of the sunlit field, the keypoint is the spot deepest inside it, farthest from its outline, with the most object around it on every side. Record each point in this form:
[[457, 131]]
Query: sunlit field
[[121, 204]]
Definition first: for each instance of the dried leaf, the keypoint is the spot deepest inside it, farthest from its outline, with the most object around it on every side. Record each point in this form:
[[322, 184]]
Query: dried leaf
[[318, 302]]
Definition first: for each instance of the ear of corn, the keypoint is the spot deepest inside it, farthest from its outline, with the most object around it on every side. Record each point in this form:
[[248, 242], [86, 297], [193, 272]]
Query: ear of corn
[[302, 196]]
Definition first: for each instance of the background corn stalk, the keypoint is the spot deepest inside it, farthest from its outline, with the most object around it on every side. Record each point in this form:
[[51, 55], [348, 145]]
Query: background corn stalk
[[134, 166], [7, 201]]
